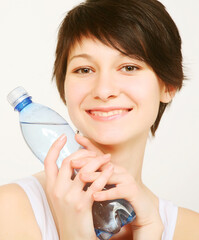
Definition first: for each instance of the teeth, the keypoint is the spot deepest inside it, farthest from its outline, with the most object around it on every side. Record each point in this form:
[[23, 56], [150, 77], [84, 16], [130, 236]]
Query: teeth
[[108, 114]]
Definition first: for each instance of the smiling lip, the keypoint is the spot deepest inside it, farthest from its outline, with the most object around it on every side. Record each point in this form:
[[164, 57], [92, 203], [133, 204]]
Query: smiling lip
[[107, 114]]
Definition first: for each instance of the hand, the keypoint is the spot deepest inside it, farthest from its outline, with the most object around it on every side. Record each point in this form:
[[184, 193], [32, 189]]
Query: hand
[[71, 204], [148, 224]]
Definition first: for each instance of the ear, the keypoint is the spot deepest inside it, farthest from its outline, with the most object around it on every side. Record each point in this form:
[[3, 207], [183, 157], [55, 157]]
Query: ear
[[167, 94]]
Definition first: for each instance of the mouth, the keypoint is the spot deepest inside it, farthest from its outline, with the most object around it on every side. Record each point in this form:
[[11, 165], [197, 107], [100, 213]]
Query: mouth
[[105, 114]]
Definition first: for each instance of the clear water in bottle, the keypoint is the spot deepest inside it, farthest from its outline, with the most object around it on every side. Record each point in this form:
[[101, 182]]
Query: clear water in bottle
[[48, 134]]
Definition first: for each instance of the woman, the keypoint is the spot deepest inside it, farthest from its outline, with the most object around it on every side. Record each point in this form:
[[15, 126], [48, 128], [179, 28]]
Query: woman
[[118, 65]]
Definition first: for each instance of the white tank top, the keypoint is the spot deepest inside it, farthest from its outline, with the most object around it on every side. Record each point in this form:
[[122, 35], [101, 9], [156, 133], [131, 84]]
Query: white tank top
[[45, 221]]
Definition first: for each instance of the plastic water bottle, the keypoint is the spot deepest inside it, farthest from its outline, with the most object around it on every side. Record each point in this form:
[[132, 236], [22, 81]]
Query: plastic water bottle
[[40, 127]]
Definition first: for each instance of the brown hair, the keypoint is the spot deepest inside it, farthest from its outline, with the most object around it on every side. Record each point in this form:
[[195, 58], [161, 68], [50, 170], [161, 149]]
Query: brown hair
[[142, 29]]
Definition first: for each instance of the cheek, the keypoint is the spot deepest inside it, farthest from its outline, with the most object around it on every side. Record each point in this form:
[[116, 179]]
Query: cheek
[[144, 91], [146, 96], [74, 95]]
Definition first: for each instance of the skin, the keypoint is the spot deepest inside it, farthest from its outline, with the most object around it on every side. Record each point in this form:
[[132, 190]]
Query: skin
[[100, 77], [115, 145]]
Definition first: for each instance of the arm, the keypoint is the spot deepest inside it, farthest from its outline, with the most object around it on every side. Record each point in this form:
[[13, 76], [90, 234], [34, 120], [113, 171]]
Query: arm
[[17, 219], [187, 226]]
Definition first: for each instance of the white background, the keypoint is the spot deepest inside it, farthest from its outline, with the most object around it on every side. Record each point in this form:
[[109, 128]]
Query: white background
[[28, 31]]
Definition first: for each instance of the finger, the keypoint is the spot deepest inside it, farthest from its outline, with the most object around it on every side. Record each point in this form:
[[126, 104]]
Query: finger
[[125, 187], [102, 179], [89, 177], [90, 167], [81, 162], [65, 171], [85, 142], [121, 178], [95, 163], [117, 169], [81, 153], [111, 194], [114, 179], [50, 165]]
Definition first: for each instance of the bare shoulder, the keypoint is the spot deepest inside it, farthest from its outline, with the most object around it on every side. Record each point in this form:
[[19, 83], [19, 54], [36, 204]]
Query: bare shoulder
[[187, 226], [17, 219]]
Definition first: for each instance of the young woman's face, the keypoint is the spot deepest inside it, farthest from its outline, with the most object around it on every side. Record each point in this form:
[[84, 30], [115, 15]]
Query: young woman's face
[[111, 98]]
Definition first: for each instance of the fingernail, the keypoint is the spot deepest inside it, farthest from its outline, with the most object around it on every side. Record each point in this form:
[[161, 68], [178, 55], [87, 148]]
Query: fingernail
[[83, 175], [79, 135], [62, 137], [107, 156], [75, 160], [96, 195]]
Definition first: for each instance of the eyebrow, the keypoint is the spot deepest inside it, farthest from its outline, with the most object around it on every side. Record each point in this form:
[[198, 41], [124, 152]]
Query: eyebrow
[[83, 55], [87, 56]]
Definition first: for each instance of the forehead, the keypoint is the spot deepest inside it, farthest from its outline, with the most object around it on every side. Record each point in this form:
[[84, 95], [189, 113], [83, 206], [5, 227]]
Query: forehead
[[92, 47], [89, 44]]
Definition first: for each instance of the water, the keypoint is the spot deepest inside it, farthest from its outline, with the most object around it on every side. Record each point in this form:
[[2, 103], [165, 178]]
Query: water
[[40, 137]]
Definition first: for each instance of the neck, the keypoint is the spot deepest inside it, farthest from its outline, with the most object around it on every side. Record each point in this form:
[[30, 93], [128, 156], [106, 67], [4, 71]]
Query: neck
[[128, 155]]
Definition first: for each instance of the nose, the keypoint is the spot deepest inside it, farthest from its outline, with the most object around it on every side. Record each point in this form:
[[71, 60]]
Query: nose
[[105, 87]]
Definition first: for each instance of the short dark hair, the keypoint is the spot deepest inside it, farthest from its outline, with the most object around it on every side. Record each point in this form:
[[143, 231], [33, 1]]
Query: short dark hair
[[142, 29]]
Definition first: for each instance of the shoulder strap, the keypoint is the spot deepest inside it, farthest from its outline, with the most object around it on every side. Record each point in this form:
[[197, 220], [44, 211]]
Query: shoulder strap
[[168, 213]]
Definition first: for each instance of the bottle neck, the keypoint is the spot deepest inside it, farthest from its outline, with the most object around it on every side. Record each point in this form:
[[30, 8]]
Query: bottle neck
[[23, 104]]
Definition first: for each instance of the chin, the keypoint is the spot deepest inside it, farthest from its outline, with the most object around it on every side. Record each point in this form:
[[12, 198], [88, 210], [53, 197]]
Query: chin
[[108, 138], [107, 141]]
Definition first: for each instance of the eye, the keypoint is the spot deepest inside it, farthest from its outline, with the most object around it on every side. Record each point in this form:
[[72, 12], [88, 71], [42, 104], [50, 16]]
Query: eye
[[129, 68], [83, 70]]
